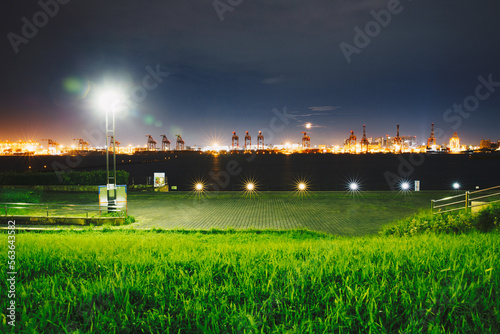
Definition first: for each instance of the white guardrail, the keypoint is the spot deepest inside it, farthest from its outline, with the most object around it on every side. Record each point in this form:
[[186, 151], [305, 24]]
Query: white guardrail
[[466, 201]]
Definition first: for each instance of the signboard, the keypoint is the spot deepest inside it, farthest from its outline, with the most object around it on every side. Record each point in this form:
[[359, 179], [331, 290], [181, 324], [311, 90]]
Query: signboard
[[417, 185], [159, 180], [121, 195]]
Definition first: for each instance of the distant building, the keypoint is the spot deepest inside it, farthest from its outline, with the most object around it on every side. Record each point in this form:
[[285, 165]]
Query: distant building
[[455, 143], [409, 141], [485, 144]]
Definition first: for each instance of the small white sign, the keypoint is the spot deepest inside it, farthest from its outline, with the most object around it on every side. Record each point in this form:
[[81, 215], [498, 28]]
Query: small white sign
[[111, 186], [417, 185], [159, 180]]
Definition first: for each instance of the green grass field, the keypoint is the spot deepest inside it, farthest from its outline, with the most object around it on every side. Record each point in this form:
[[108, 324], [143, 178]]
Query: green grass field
[[253, 282], [338, 213]]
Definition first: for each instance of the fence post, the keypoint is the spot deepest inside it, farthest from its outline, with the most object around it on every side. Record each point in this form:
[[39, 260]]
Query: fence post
[[467, 201], [432, 206]]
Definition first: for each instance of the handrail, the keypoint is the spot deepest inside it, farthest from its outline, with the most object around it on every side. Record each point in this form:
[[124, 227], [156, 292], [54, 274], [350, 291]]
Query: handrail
[[478, 191], [466, 203], [447, 198]]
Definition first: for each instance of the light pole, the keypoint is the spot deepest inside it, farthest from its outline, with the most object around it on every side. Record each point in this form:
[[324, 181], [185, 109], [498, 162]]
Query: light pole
[[108, 101]]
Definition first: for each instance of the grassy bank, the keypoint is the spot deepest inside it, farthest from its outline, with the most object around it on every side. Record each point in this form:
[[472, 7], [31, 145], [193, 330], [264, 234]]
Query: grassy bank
[[253, 282], [486, 220]]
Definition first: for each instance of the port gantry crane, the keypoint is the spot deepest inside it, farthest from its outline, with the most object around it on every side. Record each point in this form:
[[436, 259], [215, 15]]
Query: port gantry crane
[[51, 143], [260, 141], [306, 141], [82, 144], [248, 141], [364, 141], [151, 143], [165, 143], [235, 142], [179, 144], [113, 143]]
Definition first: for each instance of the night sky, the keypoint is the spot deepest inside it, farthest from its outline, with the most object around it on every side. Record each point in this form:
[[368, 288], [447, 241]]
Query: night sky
[[226, 69]]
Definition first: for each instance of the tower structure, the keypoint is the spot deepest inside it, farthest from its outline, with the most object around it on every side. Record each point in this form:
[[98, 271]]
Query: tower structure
[[364, 141], [260, 141], [455, 143], [165, 143], [398, 142], [235, 142], [306, 141], [351, 142], [113, 143], [248, 141], [51, 144], [82, 144], [151, 143], [179, 144], [432, 140]]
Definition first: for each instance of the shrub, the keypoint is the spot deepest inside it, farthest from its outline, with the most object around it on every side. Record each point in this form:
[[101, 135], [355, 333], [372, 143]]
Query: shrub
[[20, 196], [83, 178], [486, 220]]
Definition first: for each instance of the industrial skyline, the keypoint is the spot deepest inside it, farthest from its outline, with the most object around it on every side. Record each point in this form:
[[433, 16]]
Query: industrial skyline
[[199, 71], [386, 144]]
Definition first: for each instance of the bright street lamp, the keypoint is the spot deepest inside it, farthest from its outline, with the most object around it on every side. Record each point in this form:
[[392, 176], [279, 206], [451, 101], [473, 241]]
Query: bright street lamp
[[109, 100], [405, 186]]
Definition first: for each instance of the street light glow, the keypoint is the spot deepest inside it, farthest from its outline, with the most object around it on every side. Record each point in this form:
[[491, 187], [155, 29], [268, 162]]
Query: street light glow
[[199, 187], [302, 186], [456, 186], [353, 186], [405, 186], [250, 186], [109, 98]]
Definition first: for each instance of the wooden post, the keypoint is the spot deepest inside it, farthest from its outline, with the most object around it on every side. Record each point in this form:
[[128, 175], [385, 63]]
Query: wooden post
[[466, 201]]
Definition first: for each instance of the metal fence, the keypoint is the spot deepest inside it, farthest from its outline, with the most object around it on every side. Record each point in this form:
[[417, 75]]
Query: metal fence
[[60, 210], [466, 201]]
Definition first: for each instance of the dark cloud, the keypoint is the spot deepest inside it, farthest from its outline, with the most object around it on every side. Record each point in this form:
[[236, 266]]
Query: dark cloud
[[263, 55]]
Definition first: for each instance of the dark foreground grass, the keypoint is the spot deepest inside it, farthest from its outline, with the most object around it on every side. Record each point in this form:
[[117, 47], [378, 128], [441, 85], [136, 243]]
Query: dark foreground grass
[[253, 282]]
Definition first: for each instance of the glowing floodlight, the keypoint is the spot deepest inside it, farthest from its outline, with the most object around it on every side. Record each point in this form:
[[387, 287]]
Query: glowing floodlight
[[199, 187], [109, 99], [302, 186], [308, 125], [250, 186], [456, 186], [353, 186], [405, 186]]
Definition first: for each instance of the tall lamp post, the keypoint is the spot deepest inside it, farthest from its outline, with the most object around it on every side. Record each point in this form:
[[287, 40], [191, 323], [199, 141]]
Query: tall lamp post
[[109, 100]]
